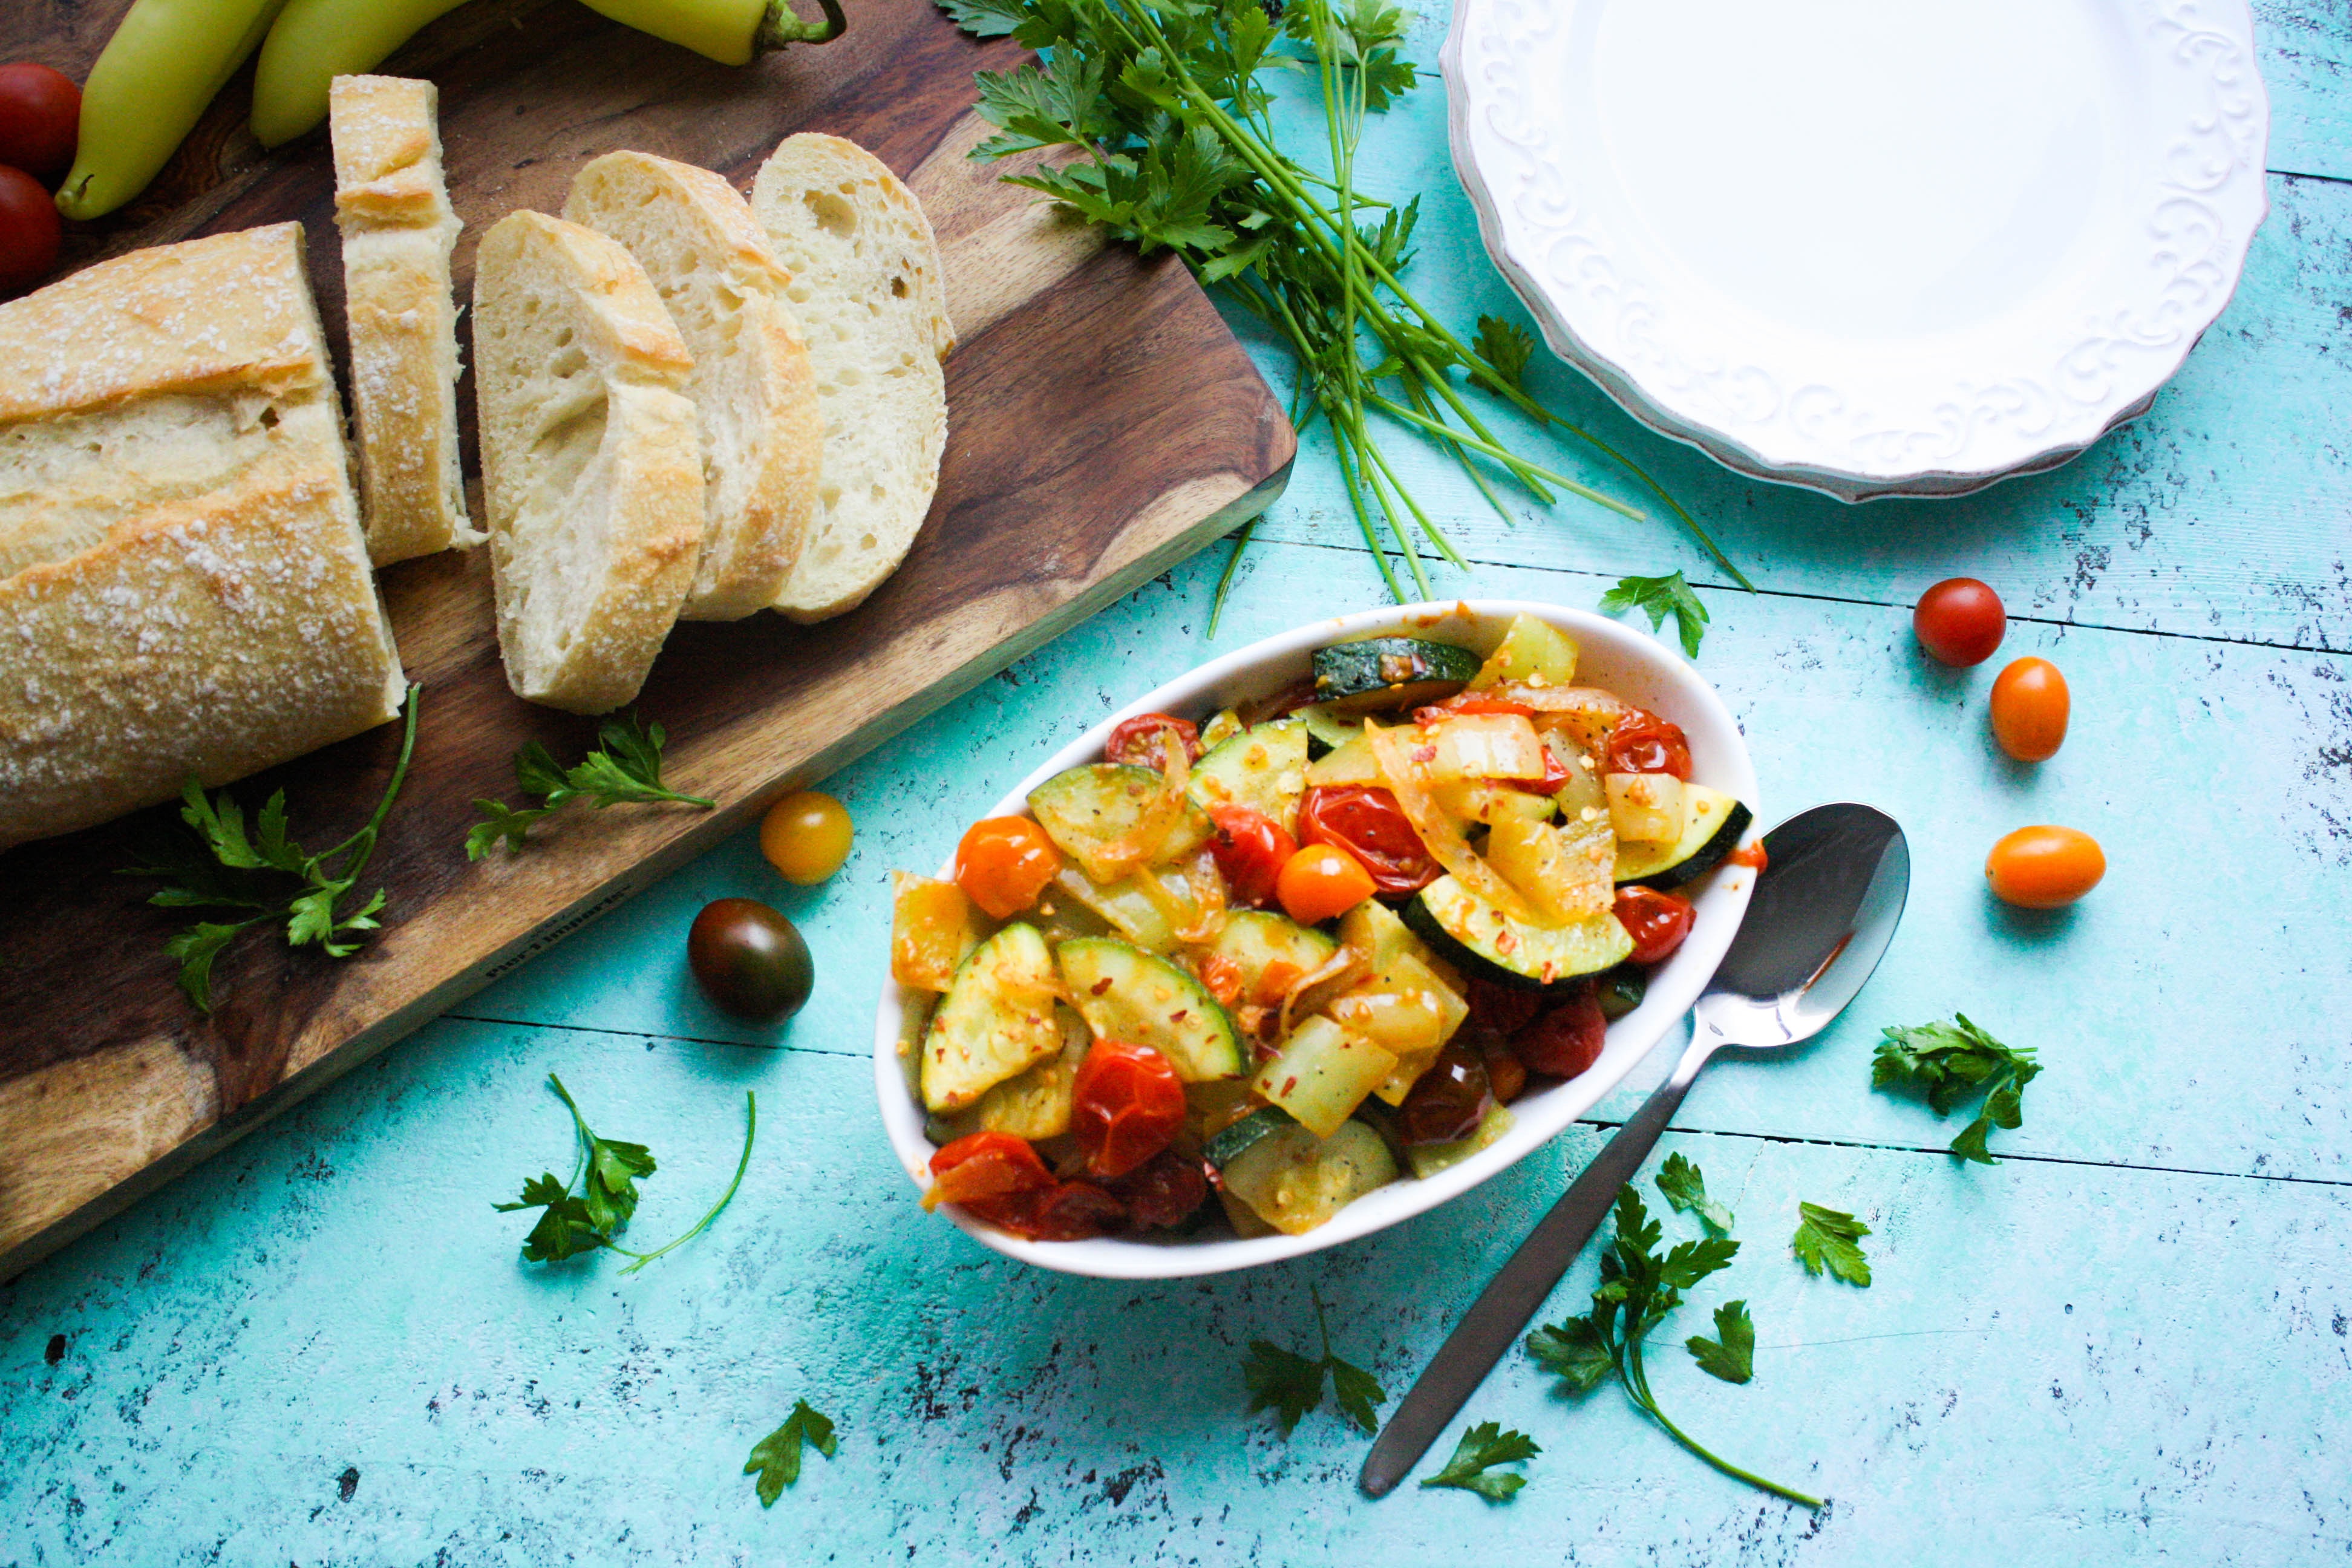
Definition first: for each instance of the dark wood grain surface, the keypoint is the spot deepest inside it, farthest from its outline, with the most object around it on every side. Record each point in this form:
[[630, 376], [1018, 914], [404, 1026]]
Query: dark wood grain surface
[[1103, 425]]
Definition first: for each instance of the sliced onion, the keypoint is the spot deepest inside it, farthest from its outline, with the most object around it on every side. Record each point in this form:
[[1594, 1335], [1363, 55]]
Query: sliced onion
[[1404, 770], [1345, 965], [1562, 699], [1160, 814]]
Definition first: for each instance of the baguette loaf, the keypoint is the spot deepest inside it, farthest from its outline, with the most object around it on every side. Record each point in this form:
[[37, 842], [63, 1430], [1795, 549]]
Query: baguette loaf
[[751, 385], [184, 583], [398, 232], [591, 468], [867, 288]]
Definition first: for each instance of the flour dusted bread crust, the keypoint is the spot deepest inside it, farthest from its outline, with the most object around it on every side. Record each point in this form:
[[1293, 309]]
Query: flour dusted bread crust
[[751, 385], [398, 231], [872, 303], [591, 468], [184, 585]]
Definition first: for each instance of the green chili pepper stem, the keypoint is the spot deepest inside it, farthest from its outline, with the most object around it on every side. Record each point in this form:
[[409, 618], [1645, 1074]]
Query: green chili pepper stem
[[780, 27]]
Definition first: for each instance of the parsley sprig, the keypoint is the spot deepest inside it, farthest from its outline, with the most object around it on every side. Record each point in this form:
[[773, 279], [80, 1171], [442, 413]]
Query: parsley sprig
[[1684, 1187], [218, 864], [1829, 1239], [626, 769], [1166, 106], [607, 1176], [1731, 1354], [1949, 1063], [1290, 1385], [776, 1458], [1638, 1288], [1659, 597], [1482, 1449]]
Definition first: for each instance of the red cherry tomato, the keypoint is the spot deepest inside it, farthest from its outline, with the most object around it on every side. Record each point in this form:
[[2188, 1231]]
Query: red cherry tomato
[[30, 232], [984, 1166], [1163, 1191], [1137, 742], [1566, 1038], [2044, 868], [1501, 1010], [1370, 825], [1251, 850], [1960, 620], [1656, 922], [1125, 1104], [1322, 882], [40, 120], [1003, 863], [2030, 709], [1064, 1211], [1644, 744]]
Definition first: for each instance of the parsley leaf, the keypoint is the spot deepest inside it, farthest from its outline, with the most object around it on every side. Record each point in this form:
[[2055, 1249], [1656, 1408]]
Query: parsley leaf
[[626, 769], [1826, 1238], [1481, 1448], [1731, 1354], [1290, 1385], [216, 865], [1507, 346], [606, 1176], [1949, 1063], [776, 1458], [1638, 1288], [1687, 1189], [1660, 597]]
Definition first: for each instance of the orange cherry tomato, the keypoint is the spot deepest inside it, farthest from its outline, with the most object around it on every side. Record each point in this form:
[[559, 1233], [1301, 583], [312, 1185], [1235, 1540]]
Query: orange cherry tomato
[[1251, 849], [1644, 744], [1125, 1104], [1656, 922], [1322, 883], [2030, 707], [2044, 868], [1368, 823], [1003, 863], [984, 1166], [805, 835], [1960, 620]]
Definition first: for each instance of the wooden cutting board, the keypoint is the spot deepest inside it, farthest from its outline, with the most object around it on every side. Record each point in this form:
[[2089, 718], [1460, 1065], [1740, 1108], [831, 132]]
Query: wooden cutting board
[[1103, 425]]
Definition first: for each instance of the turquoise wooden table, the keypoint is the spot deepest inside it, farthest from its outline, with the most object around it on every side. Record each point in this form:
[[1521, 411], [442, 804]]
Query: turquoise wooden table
[[2129, 1343]]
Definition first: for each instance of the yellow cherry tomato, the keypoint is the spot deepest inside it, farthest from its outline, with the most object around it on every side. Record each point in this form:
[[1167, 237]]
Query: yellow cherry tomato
[[2030, 709], [2044, 868], [1321, 882], [805, 836]]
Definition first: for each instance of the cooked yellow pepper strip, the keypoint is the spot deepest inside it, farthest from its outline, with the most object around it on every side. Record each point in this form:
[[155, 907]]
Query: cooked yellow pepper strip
[[167, 60], [729, 31], [314, 42]]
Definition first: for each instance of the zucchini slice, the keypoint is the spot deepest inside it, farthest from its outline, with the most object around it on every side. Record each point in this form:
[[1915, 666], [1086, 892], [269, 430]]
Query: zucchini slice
[[1323, 1073], [1090, 810], [1129, 995], [1711, 825], [1254, 941], [995, 1020], [1295, 1180], [1428, 1159], [1225, 1145], [1327, 730], [1262, 768], [1378, 674], [1482, 940]]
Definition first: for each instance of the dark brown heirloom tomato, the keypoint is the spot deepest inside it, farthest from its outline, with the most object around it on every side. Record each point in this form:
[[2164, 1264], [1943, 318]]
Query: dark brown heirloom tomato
[[1251, 849], [1506, 1076], [1502, 1009], [1447, 1101], [1162, 1191], [1566, 1039], [1137, 742], [749, 960], [1067, 1211], [1368, 823], [1644, 744]]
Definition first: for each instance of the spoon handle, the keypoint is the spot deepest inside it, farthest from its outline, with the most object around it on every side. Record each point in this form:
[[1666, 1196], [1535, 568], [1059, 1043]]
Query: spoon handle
[[1504, 1308]]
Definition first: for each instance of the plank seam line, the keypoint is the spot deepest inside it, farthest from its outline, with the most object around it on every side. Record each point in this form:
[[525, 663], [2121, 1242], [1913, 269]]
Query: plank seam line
[[652, 1034], [1712, 586], [2306, 174], [2005, 1155]]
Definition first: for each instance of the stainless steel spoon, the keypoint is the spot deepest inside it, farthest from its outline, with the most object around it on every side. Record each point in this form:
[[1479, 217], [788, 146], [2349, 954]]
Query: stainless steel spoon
[[1823, 911]]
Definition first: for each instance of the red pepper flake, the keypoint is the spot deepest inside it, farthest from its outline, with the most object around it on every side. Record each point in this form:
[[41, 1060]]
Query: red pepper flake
[[1098, 988], [1289, 1083], [1178, 1016]]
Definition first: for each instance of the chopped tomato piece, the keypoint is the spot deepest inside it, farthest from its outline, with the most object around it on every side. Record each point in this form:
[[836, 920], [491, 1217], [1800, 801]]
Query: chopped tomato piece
[[1644, 744], [984, 1166], [1127, 1104]]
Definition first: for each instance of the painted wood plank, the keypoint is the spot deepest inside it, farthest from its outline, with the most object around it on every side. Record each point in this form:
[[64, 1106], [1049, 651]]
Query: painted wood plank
[[323, 1343], [2306, 59]]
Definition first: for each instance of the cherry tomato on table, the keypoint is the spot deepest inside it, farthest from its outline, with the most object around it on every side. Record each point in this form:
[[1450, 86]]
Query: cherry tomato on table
[[1644, 744], [2044, 868], [1960, 620], [1656, 922], [1003, 863], [2030, 709], [40, 120], [1566, 1038], [30, 231], [1138, 742], [1125, 1104], [1368, 823], [1163, 1191], [1251, 849], [807, 836], [1322, 883], [749, 960]]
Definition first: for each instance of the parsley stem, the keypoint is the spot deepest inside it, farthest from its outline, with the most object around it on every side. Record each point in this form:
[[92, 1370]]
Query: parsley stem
[[365, 837], [1225, 578], [1487, 448], [751, 1126], [1637, 1383]]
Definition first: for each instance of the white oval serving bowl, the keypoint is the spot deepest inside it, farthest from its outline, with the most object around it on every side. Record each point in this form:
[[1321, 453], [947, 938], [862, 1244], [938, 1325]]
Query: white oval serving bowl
[[1610, 654]]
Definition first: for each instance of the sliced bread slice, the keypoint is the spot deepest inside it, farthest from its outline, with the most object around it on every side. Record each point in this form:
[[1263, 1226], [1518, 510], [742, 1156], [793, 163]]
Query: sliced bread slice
[[592, 467], [695, 237], [398, 232], [867, 288]]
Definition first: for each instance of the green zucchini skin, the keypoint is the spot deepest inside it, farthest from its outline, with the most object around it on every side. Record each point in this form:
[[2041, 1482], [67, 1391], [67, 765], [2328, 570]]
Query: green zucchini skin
[[1698, 852], [1226, 1144], [1126, 994], [1463, 928], [1381, 673]]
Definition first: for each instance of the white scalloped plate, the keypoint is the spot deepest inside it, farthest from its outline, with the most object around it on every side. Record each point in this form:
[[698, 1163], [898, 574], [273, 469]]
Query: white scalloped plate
[[1870, 249]]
